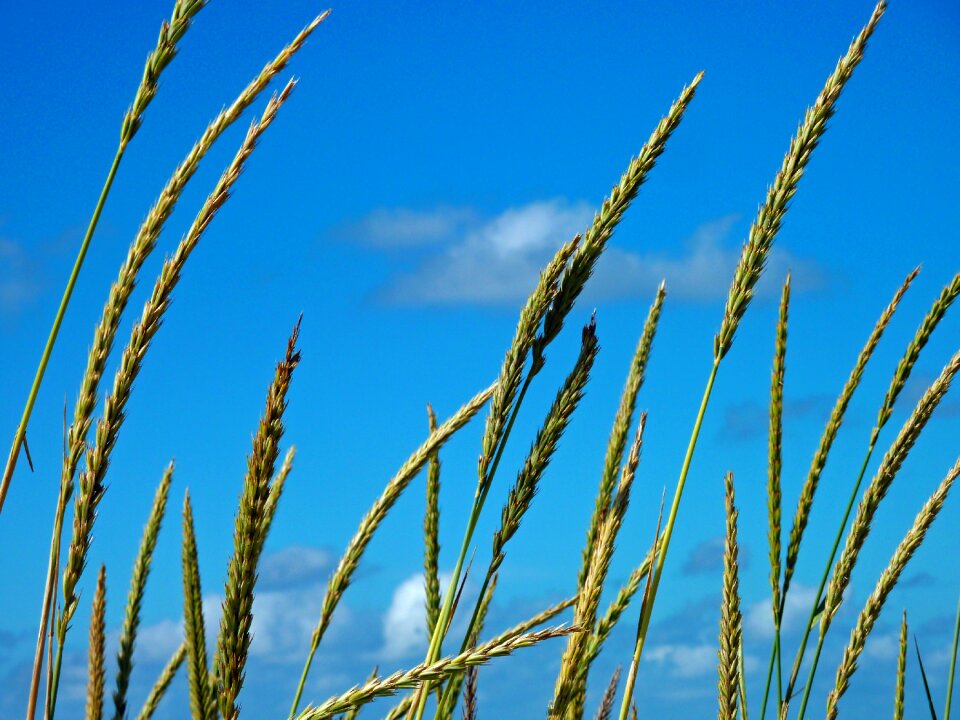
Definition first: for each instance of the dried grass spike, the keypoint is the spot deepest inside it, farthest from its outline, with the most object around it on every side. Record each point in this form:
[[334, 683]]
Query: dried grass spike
[[901, 671], [233, 641], [730, 620], [431, 533], [609, 696], [96, 674]]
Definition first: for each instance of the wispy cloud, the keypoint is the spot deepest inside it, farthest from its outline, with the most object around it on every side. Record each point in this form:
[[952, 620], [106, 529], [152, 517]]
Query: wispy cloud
[[747, 420], [457, 256], [493, 261], [19, 278], [403, 228], [707, 557]]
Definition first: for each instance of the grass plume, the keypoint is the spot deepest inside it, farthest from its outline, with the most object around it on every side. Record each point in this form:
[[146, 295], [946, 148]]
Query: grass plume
[[159, 58], [754, 255], [569, 680], [609, 697]]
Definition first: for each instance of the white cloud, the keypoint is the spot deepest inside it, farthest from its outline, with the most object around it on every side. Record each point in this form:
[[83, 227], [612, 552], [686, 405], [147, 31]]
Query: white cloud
[[758, 617], [405, 623], [498, 259], [685, 661]]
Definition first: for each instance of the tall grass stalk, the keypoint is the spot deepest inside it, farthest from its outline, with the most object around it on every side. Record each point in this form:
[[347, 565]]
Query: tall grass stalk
[[528, 478], [96, 673], [635, 660], [162, 55], [623, 420], [754, 257], [566, 694], [609, 697], [431, 533], [233, 641], [897, 383], [860, 528], [774, 493], [342, 576], [808, 492], [140, 249], [731, 637], [92, 485], [559, 287], [202, 700], [437, 670]]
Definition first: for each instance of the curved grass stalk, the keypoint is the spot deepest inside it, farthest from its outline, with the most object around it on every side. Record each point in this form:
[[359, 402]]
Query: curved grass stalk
[[550, 303], [805, 501], [340, 580], [437, 670], [860, 527], [92, 479], [754, 256], [140, 249], [162, 55]]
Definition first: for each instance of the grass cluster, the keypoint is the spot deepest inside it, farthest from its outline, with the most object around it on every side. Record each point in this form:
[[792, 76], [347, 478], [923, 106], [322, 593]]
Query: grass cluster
[[447, 679]]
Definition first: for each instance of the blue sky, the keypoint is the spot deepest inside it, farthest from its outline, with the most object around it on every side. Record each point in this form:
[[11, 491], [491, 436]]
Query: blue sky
[[430, 159]]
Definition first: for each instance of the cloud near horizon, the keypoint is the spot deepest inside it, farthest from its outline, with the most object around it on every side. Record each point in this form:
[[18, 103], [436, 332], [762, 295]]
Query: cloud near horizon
[[462, 257]]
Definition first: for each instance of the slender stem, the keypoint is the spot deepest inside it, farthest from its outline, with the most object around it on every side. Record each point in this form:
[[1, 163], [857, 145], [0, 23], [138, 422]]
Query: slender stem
[[823, 581], [647, 610], [774, 662], [55, 330], [46, 618], [302, 683], [953, 665], [55, 680], [776, 640], [766, 686], [436, 640], [813, 671]]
